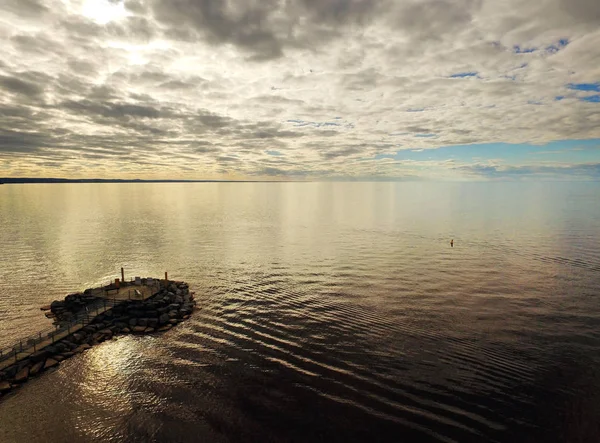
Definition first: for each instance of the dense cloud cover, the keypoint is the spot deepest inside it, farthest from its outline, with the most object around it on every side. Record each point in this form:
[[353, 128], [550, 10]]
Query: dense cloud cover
[[299, 89]]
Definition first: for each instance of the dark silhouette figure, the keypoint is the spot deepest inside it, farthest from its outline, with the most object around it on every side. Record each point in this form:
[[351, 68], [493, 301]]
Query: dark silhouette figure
[[452, 243]]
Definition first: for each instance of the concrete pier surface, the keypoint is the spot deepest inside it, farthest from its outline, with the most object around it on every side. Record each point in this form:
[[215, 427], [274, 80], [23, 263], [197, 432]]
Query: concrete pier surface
[[128, 291]]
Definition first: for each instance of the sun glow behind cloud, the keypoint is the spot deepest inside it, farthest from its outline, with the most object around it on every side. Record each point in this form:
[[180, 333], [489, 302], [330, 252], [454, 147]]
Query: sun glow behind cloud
[[103, 11], [338, 89]]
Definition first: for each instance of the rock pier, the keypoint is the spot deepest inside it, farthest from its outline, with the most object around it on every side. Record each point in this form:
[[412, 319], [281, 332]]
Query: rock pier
[[160, 308]]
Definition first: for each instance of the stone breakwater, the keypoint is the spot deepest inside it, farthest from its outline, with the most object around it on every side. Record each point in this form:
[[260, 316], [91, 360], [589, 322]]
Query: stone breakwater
[[158, 313]]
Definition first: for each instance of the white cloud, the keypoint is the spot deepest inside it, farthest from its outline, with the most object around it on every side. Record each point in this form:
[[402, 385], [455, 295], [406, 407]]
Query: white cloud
[[91, 87]]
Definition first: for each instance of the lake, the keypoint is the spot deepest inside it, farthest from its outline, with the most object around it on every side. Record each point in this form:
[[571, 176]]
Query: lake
[[327, 311]]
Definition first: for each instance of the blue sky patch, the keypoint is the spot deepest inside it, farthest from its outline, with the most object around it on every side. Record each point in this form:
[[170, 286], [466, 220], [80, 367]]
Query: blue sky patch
[[584, 86], [552, 49], [275, 153], [568, 151], [591, 98], [519, 50], [464, 75]]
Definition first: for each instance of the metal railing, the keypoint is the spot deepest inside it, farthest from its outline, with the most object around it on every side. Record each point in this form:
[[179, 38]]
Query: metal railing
[[51, 335], [82, 317]]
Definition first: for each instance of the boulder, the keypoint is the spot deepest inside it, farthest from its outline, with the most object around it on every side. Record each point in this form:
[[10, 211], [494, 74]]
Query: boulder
[[98, 337], [82, 348], [107, 332], [178, 299], [174, 321], [136, 313], [57, 304], [126, 331], [186, 311], [164, 318], [58, 357], [39, 356], [142, 322], [78, 337], [164, 328], [36, 368], [50, 363], [10, 371], [4, 387], [149, 330], [22, 375], [139, 329], [152, 322], [133, 322], [68, 354], [185, 317]]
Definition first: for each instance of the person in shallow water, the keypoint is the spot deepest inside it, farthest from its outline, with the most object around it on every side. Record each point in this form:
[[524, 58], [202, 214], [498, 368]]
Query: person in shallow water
[[452, 243]]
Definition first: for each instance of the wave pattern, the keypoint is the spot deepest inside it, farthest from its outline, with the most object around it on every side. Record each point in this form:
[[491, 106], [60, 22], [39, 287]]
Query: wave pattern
[[319, 327]]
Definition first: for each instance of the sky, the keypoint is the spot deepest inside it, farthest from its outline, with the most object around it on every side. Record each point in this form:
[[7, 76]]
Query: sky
[[300, 89]]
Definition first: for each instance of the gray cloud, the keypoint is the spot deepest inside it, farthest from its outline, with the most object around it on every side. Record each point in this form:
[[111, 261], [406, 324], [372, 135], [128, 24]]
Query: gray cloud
[[18, 86], [264, 27], [112, 110], [25, 8], [215, 85]]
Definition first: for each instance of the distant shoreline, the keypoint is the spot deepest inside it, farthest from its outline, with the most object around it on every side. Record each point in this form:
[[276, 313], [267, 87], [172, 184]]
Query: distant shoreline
[[14, 181]]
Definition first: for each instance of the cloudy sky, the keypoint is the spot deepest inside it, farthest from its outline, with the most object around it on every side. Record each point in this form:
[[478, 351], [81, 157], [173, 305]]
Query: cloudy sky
[[300, 89]]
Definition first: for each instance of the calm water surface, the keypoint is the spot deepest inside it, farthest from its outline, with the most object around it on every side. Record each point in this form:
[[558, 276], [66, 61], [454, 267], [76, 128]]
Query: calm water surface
[[329, 311]]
